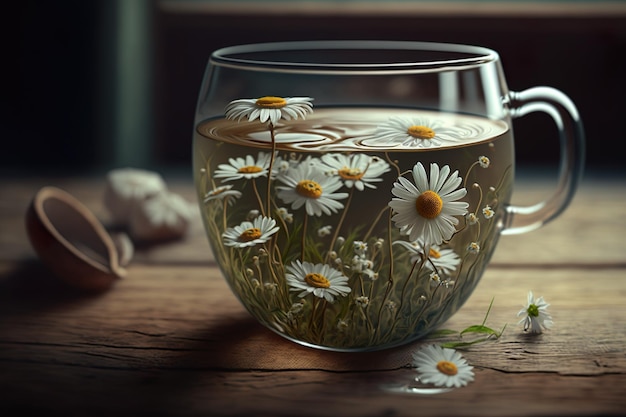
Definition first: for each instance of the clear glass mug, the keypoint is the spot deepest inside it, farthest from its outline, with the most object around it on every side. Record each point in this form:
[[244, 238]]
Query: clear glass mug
[[353, 192]]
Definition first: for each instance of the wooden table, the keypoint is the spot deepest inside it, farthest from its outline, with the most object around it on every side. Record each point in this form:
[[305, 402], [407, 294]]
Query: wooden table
[[170, 338]]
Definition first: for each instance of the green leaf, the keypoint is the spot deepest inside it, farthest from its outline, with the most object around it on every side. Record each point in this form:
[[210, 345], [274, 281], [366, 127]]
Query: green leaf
[[488, 311], [479, 328]]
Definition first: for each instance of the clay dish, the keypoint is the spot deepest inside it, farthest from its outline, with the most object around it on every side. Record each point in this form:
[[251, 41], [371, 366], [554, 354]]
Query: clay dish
[[71, 241]]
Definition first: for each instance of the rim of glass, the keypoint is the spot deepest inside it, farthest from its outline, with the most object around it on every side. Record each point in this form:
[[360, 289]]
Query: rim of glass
[[477, 55]]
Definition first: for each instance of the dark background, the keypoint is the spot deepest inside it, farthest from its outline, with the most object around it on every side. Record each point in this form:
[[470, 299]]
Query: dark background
[[57, 113]]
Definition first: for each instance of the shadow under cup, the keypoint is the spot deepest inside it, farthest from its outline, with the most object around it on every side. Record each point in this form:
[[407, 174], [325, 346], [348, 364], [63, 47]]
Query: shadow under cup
[[353, 192]]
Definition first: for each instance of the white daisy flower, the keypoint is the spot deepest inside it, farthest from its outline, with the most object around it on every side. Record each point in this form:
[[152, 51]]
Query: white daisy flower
[[362, 301], [442, 367], [282, 165], [247, 167], [484, 161], [363, 266], [444, 260], [488, 212], [391, 306], [360, 247], [319, 279], [224, 192], [435, 279], [284, 214], [269, 108], [324, 231], [536, 314], [250, 233], [473, 248], [356, 170], [308, 186], [342, 325], [471, 218], [417, 132], [426, 209]]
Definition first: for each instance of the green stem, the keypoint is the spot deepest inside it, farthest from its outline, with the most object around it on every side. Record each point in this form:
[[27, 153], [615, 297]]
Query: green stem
[[258, 196], [340, 223], [468, 173], [406, 283], [374, 223], [271, 168], [390, 278], [302, 244], [224, 213]]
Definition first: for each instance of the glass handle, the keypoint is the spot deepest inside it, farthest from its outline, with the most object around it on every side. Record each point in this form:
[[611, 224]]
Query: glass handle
[[557, 105]]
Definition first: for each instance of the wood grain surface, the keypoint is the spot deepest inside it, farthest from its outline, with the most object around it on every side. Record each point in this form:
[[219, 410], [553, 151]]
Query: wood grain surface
[[171, 339]]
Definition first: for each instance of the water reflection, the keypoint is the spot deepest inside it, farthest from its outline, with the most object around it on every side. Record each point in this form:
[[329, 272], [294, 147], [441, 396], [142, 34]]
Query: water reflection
[[414, 387]]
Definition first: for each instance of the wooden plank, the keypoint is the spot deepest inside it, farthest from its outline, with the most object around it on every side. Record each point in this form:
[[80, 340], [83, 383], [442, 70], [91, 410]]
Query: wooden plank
[[172, 339], [159, 314], [305, 393], [592, 231]]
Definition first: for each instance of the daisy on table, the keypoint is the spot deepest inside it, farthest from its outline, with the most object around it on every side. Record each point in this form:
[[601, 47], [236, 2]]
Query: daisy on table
[[536, 316], [442, 367]]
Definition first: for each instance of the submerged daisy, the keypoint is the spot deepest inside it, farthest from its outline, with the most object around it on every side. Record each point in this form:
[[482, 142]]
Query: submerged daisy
[[319, 279], [473, 248], [425, 210], [488, 212], [250, 233], [247, 167], [415, 132], [284, 214], [356, 170], [536, 314], [443, 260], [222, 193], [324, 231], [269, 108], [442, 367], [308, 186]]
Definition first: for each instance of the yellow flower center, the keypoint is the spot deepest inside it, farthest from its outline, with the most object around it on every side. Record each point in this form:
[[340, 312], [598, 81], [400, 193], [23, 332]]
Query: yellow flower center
[[250, 234], [433, 253], [270, 102], [252, 169], [429, 204], [447, 368], [421, 132], [309, 189], [533, 310], [351, 173], [317, 280]]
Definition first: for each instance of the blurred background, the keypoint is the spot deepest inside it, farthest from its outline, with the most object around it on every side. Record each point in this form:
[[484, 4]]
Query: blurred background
[[91, 85]]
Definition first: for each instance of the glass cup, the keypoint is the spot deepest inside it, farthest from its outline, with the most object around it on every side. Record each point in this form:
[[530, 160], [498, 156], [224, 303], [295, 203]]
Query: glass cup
[[353, 192]]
